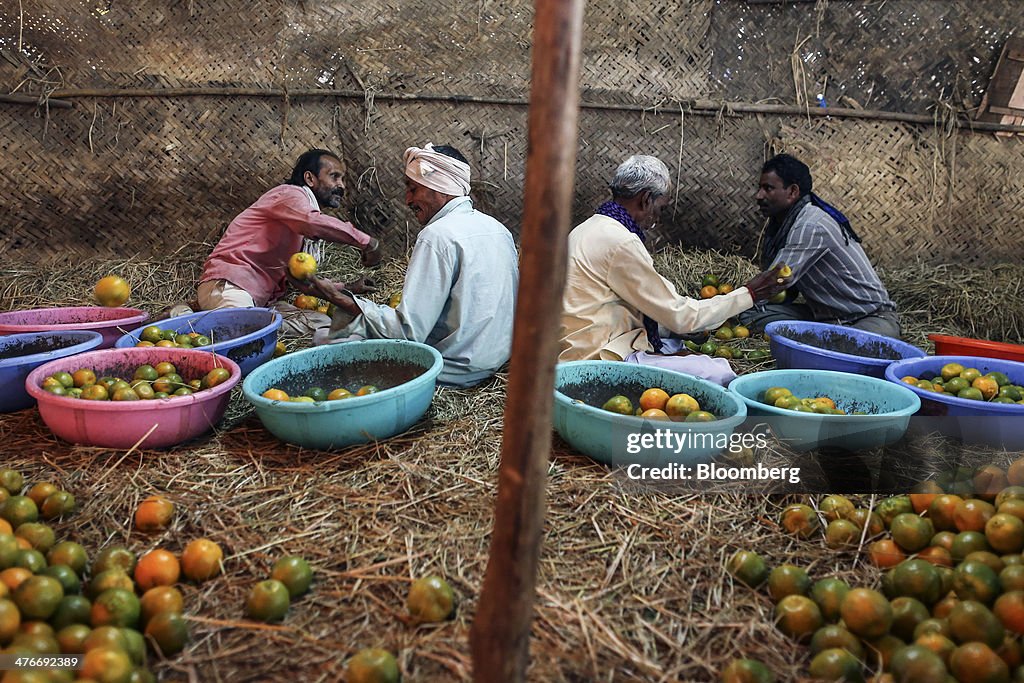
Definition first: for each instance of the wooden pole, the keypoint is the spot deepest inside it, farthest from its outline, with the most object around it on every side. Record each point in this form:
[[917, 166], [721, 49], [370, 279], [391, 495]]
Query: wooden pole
[[698, 107], [501, 631]]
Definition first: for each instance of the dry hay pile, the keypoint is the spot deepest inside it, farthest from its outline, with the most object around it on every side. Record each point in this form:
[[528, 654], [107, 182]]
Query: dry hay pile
[[631, 583]]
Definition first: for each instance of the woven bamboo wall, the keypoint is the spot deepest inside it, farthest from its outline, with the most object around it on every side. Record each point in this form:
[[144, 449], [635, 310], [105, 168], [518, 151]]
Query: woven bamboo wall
[[117, 176]]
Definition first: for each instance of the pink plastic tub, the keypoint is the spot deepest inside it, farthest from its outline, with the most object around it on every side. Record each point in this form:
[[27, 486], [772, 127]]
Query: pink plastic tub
[[112, 323], [121, 424]]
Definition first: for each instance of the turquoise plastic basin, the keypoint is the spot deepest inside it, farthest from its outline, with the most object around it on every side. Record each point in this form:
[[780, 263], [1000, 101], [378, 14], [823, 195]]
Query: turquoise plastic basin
[[889, 405], [404, 372], [582, 387]]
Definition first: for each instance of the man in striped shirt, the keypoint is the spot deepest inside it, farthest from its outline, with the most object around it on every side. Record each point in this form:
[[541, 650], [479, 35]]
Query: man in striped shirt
[[830, 268]]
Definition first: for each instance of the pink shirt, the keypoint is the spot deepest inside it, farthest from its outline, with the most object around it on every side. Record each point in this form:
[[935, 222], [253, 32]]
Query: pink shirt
[[254, 251]]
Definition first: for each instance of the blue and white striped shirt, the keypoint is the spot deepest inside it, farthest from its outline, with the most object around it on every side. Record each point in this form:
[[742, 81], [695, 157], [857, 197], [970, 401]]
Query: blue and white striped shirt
[[831, 271]]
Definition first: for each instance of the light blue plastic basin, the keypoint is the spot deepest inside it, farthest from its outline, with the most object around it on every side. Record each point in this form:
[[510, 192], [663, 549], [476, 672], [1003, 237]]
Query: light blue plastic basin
[[889, 406], [245, 335], [818, 346], [20, 354], [404, 372], [996, 424], [582, 387]]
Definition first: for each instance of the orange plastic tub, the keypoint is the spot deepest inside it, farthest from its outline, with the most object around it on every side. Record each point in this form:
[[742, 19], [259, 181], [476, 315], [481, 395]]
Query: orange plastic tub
[[964, 346]]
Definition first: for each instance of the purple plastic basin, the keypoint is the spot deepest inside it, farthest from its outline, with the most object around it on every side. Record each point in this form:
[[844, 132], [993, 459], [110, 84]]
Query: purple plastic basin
[[157, 423], [20, 354], [802, 345], [112, 323]]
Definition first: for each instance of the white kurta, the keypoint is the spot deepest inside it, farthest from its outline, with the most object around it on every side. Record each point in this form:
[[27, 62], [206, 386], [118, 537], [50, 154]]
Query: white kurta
[[459, 295], [611, 283]]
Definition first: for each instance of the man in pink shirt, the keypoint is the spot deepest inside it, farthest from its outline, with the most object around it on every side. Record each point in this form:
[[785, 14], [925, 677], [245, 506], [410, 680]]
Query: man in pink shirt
[[249, 265]]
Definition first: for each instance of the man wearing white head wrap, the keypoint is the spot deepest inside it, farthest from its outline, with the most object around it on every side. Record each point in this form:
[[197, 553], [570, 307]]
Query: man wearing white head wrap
[[460, 285], [437, 171]]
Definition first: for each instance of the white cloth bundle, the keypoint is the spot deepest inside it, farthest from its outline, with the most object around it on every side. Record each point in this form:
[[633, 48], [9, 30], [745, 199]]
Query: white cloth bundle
[[437, 171]]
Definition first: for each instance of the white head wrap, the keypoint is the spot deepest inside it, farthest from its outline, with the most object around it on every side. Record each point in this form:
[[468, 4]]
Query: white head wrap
[[437, 171]]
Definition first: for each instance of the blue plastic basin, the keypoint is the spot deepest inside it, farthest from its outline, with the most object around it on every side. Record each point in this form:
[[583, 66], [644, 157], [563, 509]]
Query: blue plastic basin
[[819, 346], [20, 354], [996, 424], [889, 407], [404, 372], [582, 387], [245, 335]]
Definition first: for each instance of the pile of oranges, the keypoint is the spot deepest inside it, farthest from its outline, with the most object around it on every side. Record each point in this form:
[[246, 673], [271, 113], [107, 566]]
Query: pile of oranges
[[55, 601], [316, 394], [656, 403], [153, 335], [711, 286], [148, 382], [956, 380], [950, 606], [782, 397]]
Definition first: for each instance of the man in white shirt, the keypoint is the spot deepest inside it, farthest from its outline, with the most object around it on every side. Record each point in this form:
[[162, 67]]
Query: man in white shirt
[[615, 300], [460, 285]]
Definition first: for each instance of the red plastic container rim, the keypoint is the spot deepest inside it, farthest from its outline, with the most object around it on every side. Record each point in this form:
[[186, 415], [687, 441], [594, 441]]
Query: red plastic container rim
[[1013, 351]]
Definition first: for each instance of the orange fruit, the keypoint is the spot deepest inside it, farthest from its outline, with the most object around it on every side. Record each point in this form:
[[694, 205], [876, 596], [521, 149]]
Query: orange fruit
[[1005, 533], [275, 395], [922, 495], [12, 577], [788, 579], [1009, 608], [989, 481], [835, 507], [977, 663], [912, 533], [40, 491], [937, 555], [268, 601], [866, 613], [828, 595], [739, 671], [681, 405], [302, 266], [106, 664], [747, 567], [941, 511], [798, 616], [338, 394], [160, 599], [863, 517], [372, 665], [972, 514], [841, 533], [974, 580], [917, 663], [112, 290], [654, 398], [616, 404], [1014, 473], [158, 567], [169, 631], [835, 664], [907, 614], [115, 607], [987, 386], [708, 291], [916, 579], [430, 599], [890, 507], [800, 520], [970, 620], [834, 635], [153, 513], [37, 597], [654, 413], [885, 553], [306, 302], [295, 573], [201, 559]]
